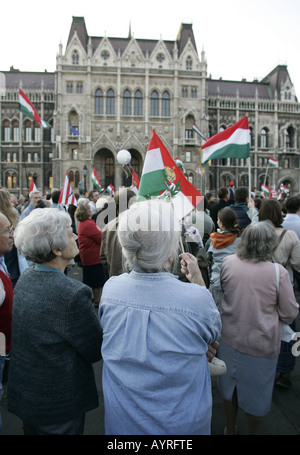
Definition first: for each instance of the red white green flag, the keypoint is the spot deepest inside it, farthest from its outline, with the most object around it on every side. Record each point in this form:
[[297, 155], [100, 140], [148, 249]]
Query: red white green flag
[[95, 180], [32, 186], [273, 162], [234, 142], [67, 196], [161, 177], [29, 110], [266, 190]]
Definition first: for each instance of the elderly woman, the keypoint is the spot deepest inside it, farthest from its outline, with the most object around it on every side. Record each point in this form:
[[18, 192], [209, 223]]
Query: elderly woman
[[252, 312], [156, 332], [287, 253], [89, 242], [56, 335]]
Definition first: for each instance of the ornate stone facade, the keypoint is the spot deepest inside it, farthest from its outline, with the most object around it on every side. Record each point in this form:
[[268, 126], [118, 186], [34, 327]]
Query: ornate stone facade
[[108, 94]]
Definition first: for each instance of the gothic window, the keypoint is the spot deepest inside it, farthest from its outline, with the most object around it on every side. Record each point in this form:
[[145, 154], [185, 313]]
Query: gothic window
[[154, 109], [79, 88], [189, 63], [37, 134], [127, 102], [138, 103], [75, 58], [110, 102], [165, 108], [11, 180], [99, 102], [69, 87], [105, 55], [184, 92], [263, 138], [16, 132], [193, 93], [28, 131], [6, 130], [289, 138]]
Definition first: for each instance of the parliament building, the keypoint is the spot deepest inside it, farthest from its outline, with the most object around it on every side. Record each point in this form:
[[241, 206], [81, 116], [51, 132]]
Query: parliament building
[[108, 94]]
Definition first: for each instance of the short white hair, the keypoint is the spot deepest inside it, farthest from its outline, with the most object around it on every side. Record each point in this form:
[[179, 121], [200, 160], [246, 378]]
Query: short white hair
[[149, 235], [42, 230]]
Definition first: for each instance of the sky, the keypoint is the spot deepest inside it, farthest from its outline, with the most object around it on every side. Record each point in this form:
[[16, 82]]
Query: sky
[[241, 40]]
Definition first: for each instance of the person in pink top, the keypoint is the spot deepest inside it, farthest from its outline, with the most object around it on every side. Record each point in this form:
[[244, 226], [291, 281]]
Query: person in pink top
[[252, 312], [89, 243]]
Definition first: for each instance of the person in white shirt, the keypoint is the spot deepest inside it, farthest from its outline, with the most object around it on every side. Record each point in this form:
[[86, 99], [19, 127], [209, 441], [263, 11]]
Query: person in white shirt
[[292, 220]]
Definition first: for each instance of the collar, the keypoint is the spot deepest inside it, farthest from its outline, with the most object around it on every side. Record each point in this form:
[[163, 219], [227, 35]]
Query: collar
[[46, 268]]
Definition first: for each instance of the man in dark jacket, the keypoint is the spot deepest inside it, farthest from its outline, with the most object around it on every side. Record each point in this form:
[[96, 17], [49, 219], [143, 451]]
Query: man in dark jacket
[[244, 207], [223, 195]]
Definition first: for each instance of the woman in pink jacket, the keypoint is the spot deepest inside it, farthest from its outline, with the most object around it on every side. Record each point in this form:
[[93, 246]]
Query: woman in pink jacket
[[252, 313], [89, 243]]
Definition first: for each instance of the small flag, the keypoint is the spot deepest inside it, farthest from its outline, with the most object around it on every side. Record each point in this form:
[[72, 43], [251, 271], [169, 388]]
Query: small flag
[[266, 190], [234, 142], [66, 195], [110, 189], [161, 177], [197, 130], [180, 164], [95, 180], [27, 108], [74, 129], [32, 186], [273, 162], [135, 180]]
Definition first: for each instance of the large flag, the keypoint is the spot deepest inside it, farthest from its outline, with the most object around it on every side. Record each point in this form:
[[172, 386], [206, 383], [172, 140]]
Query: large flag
[[273, 162], [28, 109], [66, 195], [32, 186], [95, 180], [161, 177], [234, 142]]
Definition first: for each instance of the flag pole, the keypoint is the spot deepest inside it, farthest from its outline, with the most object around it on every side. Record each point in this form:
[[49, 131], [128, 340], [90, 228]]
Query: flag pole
[[265, 182], [249, 176]]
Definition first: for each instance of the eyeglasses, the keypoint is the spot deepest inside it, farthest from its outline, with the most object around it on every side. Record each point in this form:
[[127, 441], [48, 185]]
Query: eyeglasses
[[8, 231]]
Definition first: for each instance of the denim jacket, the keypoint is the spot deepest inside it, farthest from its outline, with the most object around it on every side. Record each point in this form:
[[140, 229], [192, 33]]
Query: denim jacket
[[156, 330]]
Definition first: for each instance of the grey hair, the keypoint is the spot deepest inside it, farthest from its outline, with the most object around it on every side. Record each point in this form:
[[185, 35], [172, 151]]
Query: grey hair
[[42, 230], [258, 242], [149, 235]]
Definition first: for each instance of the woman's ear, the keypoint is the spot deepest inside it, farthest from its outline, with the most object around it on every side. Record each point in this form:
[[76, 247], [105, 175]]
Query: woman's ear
[[56, 251]]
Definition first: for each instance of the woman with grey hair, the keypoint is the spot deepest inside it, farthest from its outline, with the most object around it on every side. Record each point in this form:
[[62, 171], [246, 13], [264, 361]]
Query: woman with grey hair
[[253, 309], [56, 335], [156, 332]]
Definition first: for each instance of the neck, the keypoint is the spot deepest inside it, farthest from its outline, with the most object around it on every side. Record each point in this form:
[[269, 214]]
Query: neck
[[58, 263]]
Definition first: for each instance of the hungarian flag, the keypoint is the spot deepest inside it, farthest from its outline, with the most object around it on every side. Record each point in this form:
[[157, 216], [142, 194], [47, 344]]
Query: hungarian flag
[[266, 190], [29, 110], [32, 186], [197, 130], [273, 162], [94, 179], [135, 180], [66, 195], [110, 189], [161, 177], [234, 142]]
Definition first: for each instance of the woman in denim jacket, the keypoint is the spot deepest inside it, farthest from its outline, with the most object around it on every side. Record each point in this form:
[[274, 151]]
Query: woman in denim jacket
[[156, 332]]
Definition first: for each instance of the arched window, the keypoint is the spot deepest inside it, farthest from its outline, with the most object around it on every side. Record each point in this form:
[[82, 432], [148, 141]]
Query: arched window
[[264, 138], [109, 170], [6, 130], [165, 107], [189, 63], [138, 103], [127, 102], [75, 58], [110, 102], [99, 102], [154, 109]]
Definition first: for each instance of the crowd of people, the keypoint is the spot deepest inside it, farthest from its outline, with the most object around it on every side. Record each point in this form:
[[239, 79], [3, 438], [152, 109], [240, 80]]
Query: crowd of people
[[161, 301]]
